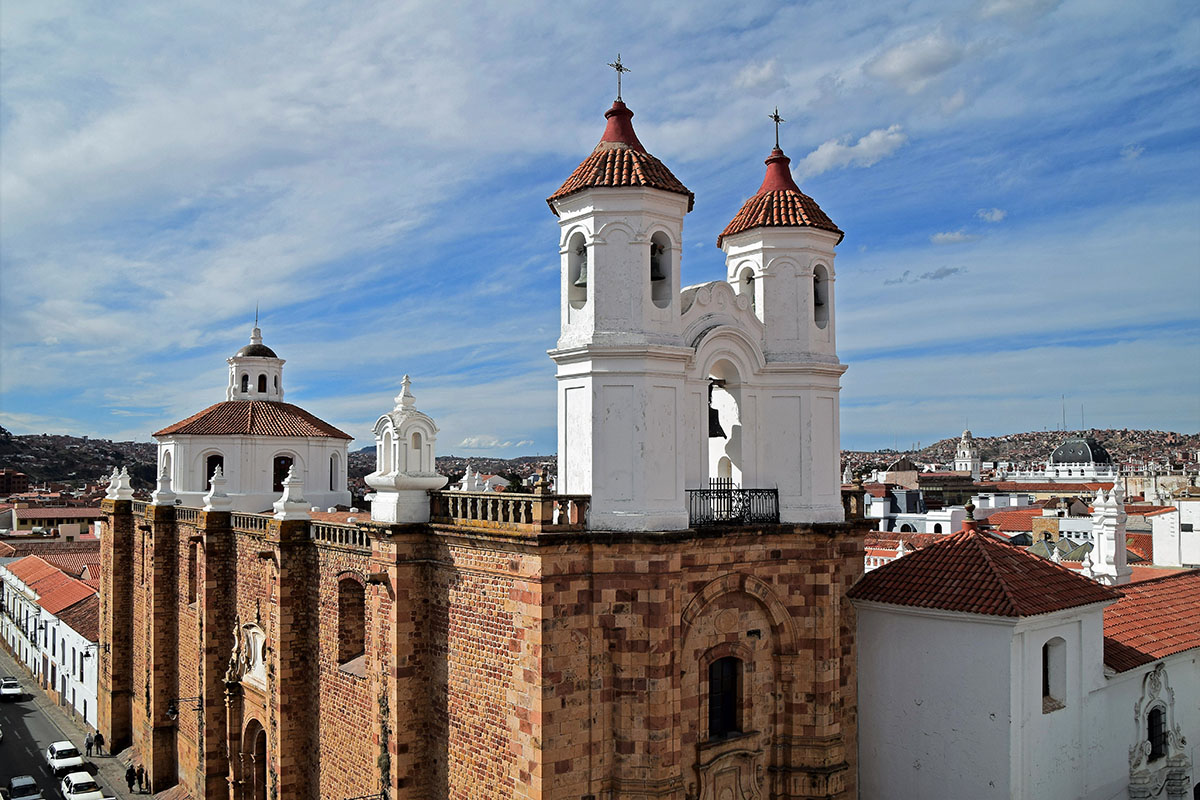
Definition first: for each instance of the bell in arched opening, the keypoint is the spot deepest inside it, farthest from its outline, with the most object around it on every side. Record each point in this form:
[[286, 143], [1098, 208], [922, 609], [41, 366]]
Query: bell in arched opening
[[582, 280], [656, 256], [714, 417]]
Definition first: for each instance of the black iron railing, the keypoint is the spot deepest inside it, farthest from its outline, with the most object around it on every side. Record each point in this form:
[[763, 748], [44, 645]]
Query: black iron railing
[[722, 503]]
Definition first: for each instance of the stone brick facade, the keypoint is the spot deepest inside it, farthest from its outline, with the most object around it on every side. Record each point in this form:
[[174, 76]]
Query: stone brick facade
[[495, 664]]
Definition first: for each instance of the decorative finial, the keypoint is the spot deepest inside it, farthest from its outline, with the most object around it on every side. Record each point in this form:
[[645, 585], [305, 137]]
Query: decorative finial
[[778, 119], [406, 399], [970, 507], [619, 67], [256, 314]]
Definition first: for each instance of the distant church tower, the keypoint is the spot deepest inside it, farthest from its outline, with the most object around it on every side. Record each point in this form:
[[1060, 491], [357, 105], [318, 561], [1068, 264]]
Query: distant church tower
[[966, 458]]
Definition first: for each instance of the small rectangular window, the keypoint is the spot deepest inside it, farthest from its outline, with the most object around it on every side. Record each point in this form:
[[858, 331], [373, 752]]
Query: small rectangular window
[[723, 697], [1157, 733]]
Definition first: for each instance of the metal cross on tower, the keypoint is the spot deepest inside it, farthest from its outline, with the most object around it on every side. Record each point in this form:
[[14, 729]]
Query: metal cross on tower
[[778, 119], [619, 67]]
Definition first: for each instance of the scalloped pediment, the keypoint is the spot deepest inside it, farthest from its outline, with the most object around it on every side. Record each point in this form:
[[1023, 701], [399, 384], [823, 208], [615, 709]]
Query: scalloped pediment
[[710, 305]]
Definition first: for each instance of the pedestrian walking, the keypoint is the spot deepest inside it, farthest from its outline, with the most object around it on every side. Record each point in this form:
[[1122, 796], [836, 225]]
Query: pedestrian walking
[[141, 777], [99, 742], [130, 776], [87, 744]]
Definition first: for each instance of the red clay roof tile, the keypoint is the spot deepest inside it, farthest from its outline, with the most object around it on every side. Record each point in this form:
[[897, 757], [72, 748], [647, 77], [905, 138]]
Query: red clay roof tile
[[253, 418], [976, 573], [620, 160], [779, 203], [1154, 619]]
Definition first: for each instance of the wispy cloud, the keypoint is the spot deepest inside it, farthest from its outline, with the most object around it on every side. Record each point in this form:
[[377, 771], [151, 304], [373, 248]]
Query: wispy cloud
[[488, 442], [953, 237], [941, 273], [991, 214], [1131, 151], [912, 64], [761, 79], [867, 151]]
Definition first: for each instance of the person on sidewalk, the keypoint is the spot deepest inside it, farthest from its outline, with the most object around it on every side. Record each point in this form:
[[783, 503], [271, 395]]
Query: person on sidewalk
[[130, 777], [87, 744], [141, 777], [98, 741]]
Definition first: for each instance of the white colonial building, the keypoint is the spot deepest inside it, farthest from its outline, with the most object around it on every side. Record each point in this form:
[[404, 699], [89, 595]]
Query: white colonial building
[[966, 456], [1079, 459], [255, 439], [664, 388], [985, 671]]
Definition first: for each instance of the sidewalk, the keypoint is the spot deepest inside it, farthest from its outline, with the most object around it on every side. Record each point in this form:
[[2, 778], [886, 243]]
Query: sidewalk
[[109, 768]]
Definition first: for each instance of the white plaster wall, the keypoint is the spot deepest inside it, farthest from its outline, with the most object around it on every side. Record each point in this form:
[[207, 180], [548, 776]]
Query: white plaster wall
[[934, 704], [80, 688], [1050, 750], [1164, 530], [1113, 730], [249, 468]]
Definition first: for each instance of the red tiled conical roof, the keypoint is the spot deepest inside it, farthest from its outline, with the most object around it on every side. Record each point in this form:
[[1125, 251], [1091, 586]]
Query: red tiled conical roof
[[975, 573], [620, 160], [779, 203], [253, 418]]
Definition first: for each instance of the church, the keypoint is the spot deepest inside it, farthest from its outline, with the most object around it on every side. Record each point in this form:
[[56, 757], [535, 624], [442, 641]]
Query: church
[[671, 621]]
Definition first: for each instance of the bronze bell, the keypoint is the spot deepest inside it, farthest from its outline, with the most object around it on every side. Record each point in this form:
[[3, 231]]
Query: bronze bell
[[582, 280], [714, 417], [656, 254]]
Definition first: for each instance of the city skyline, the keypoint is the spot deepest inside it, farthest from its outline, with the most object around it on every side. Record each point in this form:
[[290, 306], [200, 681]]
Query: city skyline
[[1015, 180]]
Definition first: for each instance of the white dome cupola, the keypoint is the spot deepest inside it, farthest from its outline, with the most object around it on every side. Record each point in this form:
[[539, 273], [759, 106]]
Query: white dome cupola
[[255, 372]]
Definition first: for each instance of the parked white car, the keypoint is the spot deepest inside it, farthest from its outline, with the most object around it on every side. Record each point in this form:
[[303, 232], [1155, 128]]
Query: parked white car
[[80, 786], [63, 757], [10, 688]]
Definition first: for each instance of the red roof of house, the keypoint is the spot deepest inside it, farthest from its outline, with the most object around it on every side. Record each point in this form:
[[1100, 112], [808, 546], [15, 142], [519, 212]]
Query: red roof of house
[[779, 203], [1146, 510], [58, 512], [1166, 510], [1154, 619], [1017, 520], [84, 617], [55, 589], [620, 160], [1141, 543], [253, 418], [976, 573], [1067, 489], [72, 561]]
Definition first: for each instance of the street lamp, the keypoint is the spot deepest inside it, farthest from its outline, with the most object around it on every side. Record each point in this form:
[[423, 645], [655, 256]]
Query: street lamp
[[97, 646], [173, 705]]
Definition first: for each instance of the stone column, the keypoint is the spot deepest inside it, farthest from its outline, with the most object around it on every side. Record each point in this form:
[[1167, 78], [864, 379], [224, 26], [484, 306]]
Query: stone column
[[215, 601], [158, 741], [114, 714], [292, 742]]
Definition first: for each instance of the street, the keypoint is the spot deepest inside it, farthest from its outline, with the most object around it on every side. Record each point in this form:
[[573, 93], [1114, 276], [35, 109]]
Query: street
[[32, 724]]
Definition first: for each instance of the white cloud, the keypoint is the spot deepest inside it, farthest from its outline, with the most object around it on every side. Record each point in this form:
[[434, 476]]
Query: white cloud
[[760, 79], [1131, 151], [913, 64], [991, 214], [868, 150], [953, 237], [488, 442]]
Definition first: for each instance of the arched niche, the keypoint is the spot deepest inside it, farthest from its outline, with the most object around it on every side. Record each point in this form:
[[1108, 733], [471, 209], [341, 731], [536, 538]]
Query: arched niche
[[821, 300], [578, 270]]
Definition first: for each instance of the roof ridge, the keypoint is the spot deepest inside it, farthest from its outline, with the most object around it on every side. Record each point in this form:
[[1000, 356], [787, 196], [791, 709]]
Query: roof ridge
[[978, 539], [1185, 573]]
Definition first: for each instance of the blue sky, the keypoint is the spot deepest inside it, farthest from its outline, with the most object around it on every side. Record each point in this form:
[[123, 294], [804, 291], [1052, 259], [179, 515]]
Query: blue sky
[[1017, 180]]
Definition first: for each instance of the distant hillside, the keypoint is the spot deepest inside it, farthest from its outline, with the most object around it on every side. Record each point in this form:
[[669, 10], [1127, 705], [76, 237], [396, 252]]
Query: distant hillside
[[1163, 447], [54, 457]]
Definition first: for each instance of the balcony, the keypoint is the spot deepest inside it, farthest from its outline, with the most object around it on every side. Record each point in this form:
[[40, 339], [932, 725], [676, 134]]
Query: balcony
[[723, 503], [540, 512]]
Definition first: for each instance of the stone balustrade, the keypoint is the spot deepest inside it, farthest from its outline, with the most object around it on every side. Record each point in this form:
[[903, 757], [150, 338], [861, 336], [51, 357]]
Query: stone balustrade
[[184, 514], [510, 511], [251, 523], [139, 507], [350, 536]]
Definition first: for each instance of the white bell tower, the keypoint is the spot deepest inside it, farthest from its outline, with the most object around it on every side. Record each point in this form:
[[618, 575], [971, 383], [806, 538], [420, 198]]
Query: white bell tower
[[966, 457], [255, 372], [620, 354], [779, 250]]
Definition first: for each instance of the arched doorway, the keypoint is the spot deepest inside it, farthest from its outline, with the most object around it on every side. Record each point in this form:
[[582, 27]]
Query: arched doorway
[[254, 762]]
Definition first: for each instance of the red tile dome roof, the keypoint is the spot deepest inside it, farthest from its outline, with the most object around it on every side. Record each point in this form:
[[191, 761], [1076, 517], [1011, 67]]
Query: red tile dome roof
[[620, 160], [253, 418], [779, 203]]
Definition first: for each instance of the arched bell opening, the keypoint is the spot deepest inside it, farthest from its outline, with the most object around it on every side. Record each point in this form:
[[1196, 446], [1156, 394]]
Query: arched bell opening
[[821, 296], [661, 263], [416, 446], [577, 271], [725, 424], [746, 286], [383, 458]]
